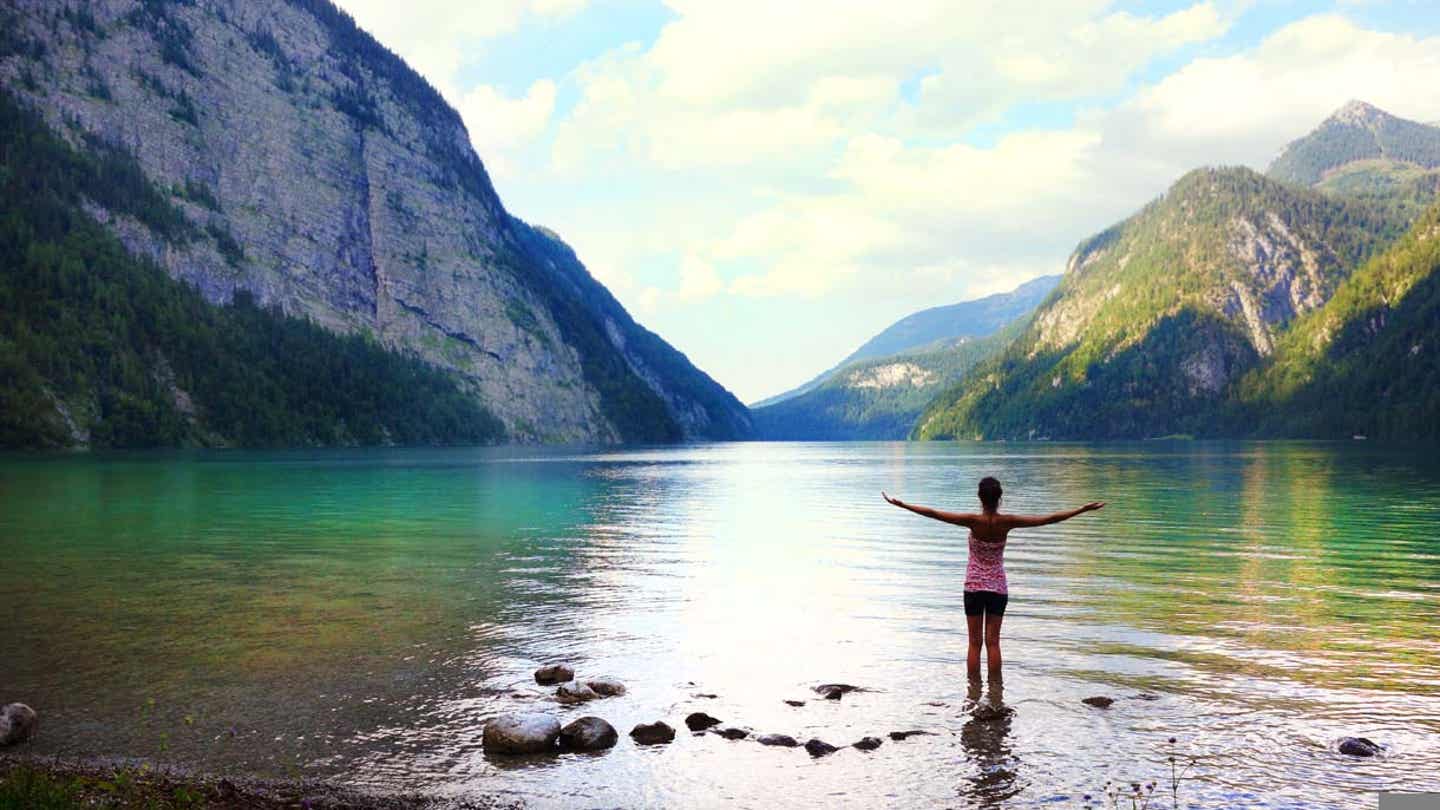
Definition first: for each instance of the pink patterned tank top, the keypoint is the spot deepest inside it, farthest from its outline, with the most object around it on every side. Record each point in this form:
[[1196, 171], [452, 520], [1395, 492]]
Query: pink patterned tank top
[[986, 569]]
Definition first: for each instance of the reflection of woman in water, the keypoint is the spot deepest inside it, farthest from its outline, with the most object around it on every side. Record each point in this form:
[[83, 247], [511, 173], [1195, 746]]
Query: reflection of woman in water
[[985, 588]]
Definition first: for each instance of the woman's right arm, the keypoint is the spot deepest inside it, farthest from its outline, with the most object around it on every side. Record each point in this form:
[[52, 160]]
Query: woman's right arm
[[957, 518], [1028, 521]]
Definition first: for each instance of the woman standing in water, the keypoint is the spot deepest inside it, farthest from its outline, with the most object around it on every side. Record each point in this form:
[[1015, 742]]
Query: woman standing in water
[[986, 592]]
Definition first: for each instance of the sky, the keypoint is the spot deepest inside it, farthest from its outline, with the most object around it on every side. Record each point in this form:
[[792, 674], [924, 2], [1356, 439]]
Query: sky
[[769, 184]]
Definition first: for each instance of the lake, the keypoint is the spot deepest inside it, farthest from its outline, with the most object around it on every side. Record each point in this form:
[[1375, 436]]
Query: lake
[[358, 614]]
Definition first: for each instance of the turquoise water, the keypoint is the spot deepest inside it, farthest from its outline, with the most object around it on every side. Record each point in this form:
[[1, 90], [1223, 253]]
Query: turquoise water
[[358, 614]]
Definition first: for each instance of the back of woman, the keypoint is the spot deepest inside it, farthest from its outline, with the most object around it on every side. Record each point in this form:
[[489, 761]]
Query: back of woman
[[986, 590]]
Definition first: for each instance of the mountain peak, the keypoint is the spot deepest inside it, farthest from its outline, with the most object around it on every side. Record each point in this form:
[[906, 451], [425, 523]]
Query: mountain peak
[[1357, 113], [1358, 137]]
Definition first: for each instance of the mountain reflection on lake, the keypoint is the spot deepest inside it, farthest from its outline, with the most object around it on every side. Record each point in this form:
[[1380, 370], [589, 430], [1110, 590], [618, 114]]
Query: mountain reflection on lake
[[359, 614]]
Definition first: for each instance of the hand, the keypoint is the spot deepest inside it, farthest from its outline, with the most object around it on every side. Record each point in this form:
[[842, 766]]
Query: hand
[[890, 500], [1092, 506]]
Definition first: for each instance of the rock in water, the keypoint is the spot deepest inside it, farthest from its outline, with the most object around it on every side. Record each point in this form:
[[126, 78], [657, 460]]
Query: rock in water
[[782, 740], [574, 693], [904, 735], [819, 748], [794, 703], [731, 733], [652, 733], [607, 687], [588, 734], [842, 688], [986, 713], [521, 733], [18, 723], [868, 743], [699, 721], [1359, 747], [1099, 701], [554, 673]]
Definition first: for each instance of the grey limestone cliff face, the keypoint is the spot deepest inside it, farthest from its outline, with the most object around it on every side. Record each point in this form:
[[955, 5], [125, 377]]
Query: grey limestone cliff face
[[331, 182]]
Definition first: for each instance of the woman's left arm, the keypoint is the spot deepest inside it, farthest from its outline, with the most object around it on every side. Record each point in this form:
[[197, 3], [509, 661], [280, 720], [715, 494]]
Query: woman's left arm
[[957, 518]]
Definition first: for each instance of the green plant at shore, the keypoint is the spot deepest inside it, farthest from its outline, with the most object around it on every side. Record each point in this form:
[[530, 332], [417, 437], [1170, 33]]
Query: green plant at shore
[[26, 787]]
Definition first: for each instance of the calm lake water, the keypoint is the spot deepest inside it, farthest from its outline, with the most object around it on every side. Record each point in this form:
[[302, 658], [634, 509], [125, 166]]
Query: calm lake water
[[359, 614]]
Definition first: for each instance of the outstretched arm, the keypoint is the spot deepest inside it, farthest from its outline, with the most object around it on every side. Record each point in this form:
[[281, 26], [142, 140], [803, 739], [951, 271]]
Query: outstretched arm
[[957, 518], [1026, 521]]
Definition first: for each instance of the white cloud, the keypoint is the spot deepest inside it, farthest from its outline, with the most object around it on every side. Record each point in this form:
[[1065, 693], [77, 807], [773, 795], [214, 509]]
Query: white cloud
[[499, 123], [433, 35]]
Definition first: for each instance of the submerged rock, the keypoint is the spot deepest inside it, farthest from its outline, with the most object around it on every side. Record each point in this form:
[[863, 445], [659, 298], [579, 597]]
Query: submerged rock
[[1099, 701], [655, 733], [554, 673], [574, 693], [704, 696], [819, 748], [588, 734], [521, 733], [18, 723], [835, 691], [731, 733], [794, 703], [1359, 747], [986, 713], [607, 686], [782, 740], [905, 735], [868, 743], [699, 721]]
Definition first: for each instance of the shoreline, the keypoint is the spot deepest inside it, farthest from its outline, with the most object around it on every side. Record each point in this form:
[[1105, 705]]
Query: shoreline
[[55, 782]]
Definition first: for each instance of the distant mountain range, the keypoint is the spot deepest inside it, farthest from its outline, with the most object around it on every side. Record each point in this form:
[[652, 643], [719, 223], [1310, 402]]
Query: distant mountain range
[[1295, 304], [879, 389], [270, 155]]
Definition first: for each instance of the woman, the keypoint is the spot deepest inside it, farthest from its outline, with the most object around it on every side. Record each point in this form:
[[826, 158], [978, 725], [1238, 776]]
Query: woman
[[985, 589]]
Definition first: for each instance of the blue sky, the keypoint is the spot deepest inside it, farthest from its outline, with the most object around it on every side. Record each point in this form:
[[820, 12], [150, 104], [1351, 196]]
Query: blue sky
[[768, 185]]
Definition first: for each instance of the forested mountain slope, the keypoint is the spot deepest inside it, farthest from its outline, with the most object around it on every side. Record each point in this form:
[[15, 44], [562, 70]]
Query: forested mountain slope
[[312, 169], [929, 328], [1368, 361], [1158, 317]]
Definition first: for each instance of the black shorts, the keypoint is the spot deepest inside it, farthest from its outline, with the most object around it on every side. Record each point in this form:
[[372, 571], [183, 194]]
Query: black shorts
[[978, 603]]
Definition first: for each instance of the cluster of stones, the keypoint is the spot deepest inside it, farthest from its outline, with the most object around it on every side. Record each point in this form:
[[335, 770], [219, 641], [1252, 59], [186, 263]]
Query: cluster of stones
[[538, 733]]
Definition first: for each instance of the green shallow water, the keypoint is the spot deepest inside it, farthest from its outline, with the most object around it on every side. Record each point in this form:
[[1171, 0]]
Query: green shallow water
[[358, 614]]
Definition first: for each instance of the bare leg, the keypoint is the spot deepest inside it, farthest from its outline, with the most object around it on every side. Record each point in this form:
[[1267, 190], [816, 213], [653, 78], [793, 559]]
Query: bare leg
[[974, 626], [992, 644]]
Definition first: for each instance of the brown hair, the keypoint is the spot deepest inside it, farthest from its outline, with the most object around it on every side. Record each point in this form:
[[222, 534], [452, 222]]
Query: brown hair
[[990, 492]]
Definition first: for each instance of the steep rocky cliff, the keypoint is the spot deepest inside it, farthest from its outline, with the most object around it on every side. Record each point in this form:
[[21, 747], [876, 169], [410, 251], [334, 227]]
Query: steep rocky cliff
[[330, 180]]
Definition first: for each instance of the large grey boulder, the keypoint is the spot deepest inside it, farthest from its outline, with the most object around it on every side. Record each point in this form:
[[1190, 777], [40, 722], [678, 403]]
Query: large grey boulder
[[574, 693], [521, 733], [18, 723], [588, 734], [607, 686], [554, 673]]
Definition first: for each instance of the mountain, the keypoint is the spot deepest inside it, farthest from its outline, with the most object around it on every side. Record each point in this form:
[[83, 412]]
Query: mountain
[[879, 390], [877, 398], [1359, 148], [1368, 361], [1158, 317], [312, 172], [930, 327]]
